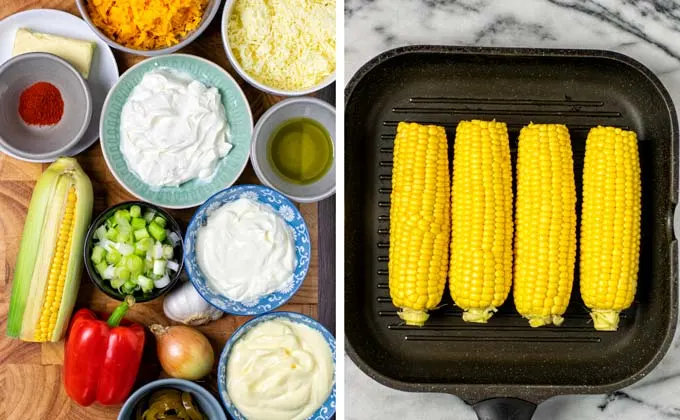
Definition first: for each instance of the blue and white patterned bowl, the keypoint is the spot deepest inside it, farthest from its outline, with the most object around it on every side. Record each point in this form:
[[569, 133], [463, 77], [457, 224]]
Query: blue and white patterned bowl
[[288, 212], [325, 412]]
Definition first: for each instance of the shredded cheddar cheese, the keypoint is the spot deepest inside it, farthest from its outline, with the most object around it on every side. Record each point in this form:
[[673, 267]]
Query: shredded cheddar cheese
[[284, 44], [146, 24]]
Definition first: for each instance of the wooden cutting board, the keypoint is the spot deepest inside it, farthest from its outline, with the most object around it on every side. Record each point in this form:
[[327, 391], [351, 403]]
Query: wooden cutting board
[[30, 373]]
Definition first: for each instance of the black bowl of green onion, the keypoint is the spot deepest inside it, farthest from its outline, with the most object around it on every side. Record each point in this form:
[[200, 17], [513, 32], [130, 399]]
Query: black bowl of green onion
[[134, 248]]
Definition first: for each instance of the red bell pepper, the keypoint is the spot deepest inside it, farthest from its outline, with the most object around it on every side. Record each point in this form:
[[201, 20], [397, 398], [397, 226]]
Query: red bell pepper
[[102, 358]]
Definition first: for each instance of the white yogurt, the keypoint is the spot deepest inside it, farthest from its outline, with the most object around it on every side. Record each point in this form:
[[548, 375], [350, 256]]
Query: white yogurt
[[279, 370], [173, 129], [246, 251]]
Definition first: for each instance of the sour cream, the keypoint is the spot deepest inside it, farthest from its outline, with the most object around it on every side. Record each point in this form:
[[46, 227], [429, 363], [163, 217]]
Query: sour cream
[[173, 129], [279, 370], [246, 251]]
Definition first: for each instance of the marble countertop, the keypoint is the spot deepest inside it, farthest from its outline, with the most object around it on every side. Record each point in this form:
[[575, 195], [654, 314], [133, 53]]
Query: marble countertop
[[647, 30]]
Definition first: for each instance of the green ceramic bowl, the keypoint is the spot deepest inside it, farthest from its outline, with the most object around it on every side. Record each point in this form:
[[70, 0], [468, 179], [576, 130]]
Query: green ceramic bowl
[[239, 119]]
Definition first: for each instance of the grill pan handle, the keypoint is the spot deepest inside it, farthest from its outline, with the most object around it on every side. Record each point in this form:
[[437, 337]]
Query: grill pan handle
[[504, 409]]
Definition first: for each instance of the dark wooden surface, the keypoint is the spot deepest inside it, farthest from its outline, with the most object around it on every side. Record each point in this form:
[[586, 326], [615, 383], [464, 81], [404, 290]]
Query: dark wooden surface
[[326, 302]]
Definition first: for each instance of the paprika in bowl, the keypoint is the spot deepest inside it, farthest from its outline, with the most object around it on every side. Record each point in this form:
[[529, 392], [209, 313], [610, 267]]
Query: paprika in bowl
[[45, 106]]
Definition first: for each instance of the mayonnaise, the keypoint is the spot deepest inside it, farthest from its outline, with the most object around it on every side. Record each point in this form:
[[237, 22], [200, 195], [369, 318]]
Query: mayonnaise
[[279, 370], [246, 251], [173, 129]]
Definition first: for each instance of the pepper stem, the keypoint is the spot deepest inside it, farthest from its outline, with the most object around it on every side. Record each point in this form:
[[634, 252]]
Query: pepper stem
[[120, 311]]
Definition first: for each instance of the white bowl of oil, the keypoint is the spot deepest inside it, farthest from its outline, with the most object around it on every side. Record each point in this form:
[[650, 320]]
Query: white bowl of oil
[[293, 149]]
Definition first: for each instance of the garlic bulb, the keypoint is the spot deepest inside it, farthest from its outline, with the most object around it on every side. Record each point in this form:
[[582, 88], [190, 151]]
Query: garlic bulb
[[185, 305]]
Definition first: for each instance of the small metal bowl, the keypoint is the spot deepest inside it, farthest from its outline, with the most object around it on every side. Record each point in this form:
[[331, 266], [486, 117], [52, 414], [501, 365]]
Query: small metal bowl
[[208, 15], [104, 285], [285, 110], [40, 143]]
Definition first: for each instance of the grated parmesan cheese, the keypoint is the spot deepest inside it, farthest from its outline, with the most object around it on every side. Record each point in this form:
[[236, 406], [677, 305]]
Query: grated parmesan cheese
[[284, 44], [146, 24]]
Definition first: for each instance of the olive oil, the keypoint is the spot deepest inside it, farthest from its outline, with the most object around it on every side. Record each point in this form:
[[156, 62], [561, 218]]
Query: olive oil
[[300, 151]]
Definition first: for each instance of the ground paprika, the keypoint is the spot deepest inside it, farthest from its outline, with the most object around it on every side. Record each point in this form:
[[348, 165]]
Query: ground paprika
[[41, 104]]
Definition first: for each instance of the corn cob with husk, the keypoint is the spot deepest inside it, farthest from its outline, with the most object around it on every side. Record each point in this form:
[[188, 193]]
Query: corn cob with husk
[[610, 224], [50, 260], [480, 273], [419, 220], [545, 224]]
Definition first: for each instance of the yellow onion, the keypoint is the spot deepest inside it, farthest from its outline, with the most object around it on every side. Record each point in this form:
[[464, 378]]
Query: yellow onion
[[184, 352]]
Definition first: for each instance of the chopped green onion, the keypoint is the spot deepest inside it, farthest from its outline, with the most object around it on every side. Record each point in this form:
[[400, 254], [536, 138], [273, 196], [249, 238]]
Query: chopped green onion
[[146, 244], [162, 282], [116, 283], [157, 231], [135, 264], [107, 245], [125, 236], [172, 265], [98, 254], [133, 251], [136, 211], [101, 267], [157, 251], [112, 234], [100, 233], [146, 283], [160, 221], [109, 273], [159, 267], [168, 252], [129, 286], [122, 273], [125, 249], [113, 257], [174, 239], [148, 266], [141, 234], [122, 215], [149, 215], [138, 223]]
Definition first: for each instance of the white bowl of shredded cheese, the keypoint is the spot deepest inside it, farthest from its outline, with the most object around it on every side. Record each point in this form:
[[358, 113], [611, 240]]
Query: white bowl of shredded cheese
[[284, 47]]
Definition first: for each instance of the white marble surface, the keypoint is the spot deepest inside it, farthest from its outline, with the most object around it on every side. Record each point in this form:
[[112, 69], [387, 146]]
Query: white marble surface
[[648, 30]]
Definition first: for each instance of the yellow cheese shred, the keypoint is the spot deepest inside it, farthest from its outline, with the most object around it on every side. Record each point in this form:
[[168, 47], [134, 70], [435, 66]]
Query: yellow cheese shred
[[284, 44], [146, 24]]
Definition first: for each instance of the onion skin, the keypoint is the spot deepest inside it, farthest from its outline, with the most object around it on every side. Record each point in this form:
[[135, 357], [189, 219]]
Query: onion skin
[[184, 352]]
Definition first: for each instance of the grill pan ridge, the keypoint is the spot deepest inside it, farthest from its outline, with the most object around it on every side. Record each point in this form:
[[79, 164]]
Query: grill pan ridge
[[443, 85]]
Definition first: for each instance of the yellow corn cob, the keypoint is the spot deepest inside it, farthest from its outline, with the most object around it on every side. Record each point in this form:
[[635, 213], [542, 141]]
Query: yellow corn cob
[[610, 224], [545, 223], [419, 220], [50, 260], [480, 273]]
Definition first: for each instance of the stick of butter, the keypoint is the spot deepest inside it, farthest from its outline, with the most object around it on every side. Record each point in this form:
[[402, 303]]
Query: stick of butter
[[78, 53]]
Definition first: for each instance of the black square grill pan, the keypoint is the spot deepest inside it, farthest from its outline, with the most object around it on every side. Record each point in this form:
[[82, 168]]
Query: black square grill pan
[[505, 358]]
